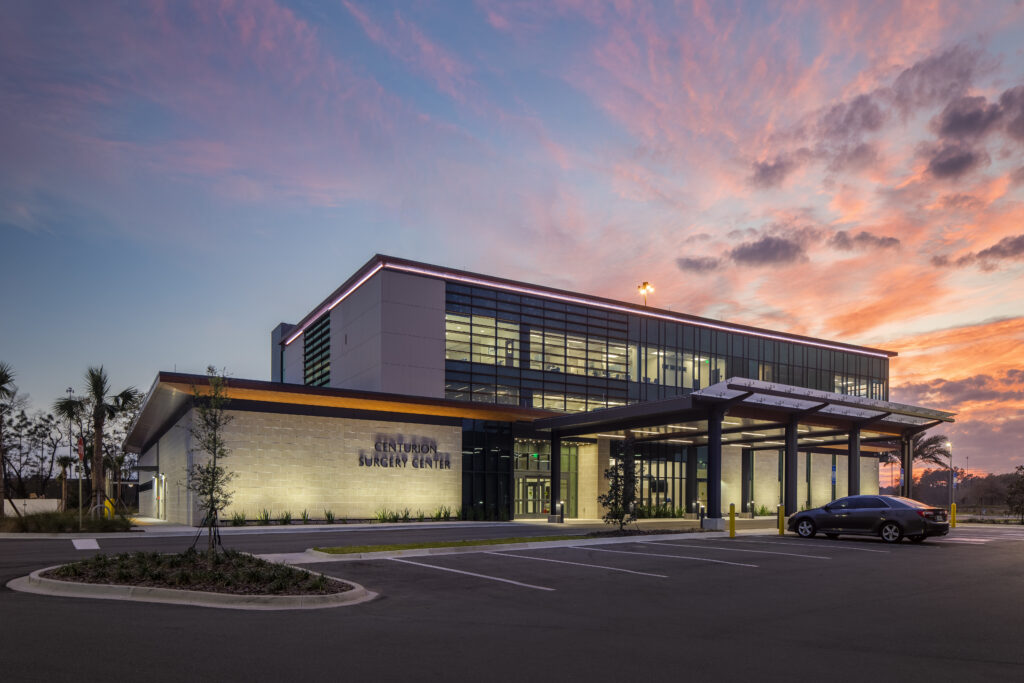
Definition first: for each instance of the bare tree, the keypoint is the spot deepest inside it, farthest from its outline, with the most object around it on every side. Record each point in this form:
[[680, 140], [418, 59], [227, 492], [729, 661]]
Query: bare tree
[[10, 402]]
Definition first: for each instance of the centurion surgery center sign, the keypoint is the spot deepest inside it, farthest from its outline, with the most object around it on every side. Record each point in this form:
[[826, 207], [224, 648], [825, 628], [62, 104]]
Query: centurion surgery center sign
[[420, 453]]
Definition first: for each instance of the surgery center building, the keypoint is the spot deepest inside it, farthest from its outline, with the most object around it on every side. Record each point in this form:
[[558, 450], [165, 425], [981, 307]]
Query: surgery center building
[[422, 388]]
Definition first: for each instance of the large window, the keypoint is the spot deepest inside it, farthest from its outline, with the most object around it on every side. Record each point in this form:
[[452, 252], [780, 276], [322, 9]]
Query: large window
[[316, 352], [509, 348]]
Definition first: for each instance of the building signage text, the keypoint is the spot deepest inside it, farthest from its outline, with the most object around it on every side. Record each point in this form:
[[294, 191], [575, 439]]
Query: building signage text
[[422, 455]]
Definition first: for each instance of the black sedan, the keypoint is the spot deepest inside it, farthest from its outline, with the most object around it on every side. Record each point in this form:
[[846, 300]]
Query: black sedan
[[890, 517]]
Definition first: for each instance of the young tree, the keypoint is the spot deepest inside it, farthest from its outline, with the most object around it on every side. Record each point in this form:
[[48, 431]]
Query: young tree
[[1015, 493], [621, 476], [614, 502], [209, 480], [100, 406]]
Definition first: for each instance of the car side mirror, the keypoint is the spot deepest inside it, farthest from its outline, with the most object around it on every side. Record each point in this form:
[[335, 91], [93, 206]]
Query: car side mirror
[[826, 508]]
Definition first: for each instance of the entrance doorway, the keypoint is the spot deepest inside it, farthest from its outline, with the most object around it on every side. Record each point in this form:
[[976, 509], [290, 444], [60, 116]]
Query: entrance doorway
[[533, 495]]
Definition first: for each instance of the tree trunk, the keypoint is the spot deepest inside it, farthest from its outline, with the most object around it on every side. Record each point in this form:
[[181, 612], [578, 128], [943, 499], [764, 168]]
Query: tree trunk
[[63, 489], [3, 506], [97, 465]]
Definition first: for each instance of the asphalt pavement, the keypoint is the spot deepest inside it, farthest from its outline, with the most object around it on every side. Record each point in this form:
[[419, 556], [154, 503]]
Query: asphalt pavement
[[699, 607]]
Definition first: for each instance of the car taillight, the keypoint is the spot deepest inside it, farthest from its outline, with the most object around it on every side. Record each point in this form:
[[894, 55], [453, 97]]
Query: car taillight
[[927, 514]]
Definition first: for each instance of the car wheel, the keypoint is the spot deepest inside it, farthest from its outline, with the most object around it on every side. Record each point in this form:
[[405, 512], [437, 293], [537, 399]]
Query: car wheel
[[805, 528], [832, 536], [891, 532], [917, 539]]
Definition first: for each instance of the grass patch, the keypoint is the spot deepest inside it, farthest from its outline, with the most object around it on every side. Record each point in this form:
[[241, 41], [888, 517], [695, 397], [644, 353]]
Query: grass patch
[[351, 549], [348, 549], [62, 522], [216, 572]]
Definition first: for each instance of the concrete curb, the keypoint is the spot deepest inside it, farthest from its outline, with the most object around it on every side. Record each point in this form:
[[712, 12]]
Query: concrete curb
[[35, 583], [315, 556]]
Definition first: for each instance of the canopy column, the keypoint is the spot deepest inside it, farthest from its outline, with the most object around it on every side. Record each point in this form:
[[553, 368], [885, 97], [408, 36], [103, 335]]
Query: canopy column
[[790, 456], [853, 463]]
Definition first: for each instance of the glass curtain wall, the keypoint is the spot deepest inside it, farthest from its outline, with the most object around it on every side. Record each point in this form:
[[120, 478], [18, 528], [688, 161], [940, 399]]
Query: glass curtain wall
[[520, 350]]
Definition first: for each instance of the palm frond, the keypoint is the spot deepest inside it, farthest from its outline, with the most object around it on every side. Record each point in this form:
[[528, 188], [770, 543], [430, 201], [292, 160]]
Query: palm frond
[[97, 384], [7, 388]]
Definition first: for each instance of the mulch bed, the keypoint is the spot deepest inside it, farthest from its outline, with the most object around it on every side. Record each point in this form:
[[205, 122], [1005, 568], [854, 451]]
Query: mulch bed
[[217, 572]]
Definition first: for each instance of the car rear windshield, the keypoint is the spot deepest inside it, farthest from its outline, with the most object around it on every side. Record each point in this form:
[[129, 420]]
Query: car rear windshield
[[910, 502]]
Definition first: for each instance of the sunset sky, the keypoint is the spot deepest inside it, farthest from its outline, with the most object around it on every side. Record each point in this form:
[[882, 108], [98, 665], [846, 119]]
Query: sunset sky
[[177, 178]]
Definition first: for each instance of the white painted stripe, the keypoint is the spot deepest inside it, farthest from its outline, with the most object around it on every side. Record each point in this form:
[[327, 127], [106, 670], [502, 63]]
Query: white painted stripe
[[968, 541], [674, 557], [578, 564], [831, 546], [85, 544], [479, 576], [736, 550]]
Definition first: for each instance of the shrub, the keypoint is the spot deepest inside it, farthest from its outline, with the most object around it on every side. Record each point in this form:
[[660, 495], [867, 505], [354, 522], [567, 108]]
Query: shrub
[[62, 522], [419, 515], [405, 515], [384, 515], [305, 516], [285, 517], [329, 516], [263, 517], [238, 519]]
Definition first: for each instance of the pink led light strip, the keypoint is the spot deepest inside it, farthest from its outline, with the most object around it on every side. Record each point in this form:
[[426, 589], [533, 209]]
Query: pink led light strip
[[562, 297], [341, 297], [621, 309]]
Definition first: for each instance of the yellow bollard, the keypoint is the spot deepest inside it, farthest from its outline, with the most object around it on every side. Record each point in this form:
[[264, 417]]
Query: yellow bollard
[[732, 520], [952, 516], [782, 522]]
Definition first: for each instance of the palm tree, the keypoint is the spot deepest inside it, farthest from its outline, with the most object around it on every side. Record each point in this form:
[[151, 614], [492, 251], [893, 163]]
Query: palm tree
[[100, 406], [7, 393], [933, 450]]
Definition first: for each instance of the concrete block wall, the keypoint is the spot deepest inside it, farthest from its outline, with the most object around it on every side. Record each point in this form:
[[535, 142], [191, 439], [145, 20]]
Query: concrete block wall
[[179, 503], [842, 477], [868, 474], [732, 479], [296, 462], [588, 483], [821, 478], [766, 480]]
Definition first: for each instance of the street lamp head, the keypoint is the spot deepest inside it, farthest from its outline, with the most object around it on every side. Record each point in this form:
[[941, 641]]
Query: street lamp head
[[645, 288]]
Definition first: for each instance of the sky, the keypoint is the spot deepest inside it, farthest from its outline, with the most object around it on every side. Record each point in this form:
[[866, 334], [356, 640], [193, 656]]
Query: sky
[[176, 178]]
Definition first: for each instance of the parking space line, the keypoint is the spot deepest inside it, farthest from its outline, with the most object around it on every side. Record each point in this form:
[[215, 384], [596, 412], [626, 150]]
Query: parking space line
[[578, 564], [674, 557], [836, 546], [736, 550], [480, 576]]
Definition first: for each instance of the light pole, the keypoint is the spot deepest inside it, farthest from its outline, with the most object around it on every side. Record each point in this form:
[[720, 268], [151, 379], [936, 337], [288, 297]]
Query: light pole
[[644, 289], [71, 446], [949, 445]]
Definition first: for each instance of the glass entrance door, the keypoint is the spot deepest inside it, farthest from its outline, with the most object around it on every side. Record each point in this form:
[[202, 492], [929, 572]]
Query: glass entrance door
[[533, 495]]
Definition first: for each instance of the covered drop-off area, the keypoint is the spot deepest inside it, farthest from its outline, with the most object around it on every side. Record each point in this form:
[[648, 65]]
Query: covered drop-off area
[[753, 444]]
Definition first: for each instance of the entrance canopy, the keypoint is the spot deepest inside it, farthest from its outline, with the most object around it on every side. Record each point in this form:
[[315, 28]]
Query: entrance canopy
[[755, 415]]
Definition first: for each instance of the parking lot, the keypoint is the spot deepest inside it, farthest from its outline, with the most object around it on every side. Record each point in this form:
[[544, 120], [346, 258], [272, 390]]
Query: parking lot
[[698, 606]]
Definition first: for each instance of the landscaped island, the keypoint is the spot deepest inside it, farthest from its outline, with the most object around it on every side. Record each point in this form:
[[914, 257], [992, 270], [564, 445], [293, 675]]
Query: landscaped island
[[214, 572]]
